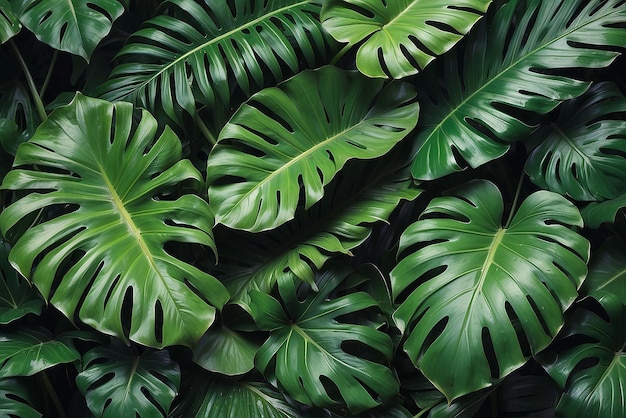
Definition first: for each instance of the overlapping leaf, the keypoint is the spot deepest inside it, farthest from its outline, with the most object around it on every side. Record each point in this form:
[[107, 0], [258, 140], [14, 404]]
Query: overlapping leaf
[[479, 292], [517, 64], [225, 351], [309, 345], [75, 26], [117, 382], [15, 400], [583, 153], [286, 143], [401, 37], [9, 23], [607, 271], [102, 181], [196, 53], [597, 213]]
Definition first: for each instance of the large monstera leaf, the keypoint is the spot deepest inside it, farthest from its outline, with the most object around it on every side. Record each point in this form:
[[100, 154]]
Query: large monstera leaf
[[311, 344], [401, 37], [582, 153], [478, 292], [196, 53], [75, 26], [106, 185], [286, 143], [117, 382], [508, 71]]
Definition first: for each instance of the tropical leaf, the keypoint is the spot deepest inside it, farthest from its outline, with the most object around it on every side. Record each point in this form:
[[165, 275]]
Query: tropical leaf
[[9, 23], [117, 382], [286, 143], [17, 298], [106, 185], [17, 115], [314, 354], [478, 292], [516, 65], [583, 153], [196, 53], [400, 37], [607, 271], [597, 213], [588, 362], [225, 351], [74, 26], [28, 351], [15, 400]]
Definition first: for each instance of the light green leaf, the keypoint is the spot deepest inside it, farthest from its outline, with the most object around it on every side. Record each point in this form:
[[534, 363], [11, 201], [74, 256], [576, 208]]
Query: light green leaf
[[9, 23], [292, 140], [205, 53], [484, 288], [75, 26], [106, 185], [225, 351], [401, 37], [597, 213], [15, 400], [28, 351], [582, 154], [311, 342], [516, 64], [117, 382]]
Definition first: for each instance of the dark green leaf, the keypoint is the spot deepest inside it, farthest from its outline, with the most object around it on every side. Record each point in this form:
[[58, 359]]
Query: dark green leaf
[[101, 252], [607, 271], [225, 351], [17, 115], [9, 23], [483, 288], [15, 400], [597, 213]]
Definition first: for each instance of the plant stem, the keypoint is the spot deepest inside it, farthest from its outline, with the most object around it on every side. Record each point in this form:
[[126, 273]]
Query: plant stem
[[53, 395], [516, 198], [49, 74], [31, 83], [205, 130], [341, 53]]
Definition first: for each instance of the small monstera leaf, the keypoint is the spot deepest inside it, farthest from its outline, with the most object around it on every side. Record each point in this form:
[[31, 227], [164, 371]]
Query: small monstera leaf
[[597, 213], [589, 363], [401, 37], [478, 292], [225, 351], [9, 23], [117, 382], [286, 143], [75, 26], [506, 72], [106, 184], [311, 346], [17, 297], [197, 53], [582, 153], [607, 271], [15, 400], [26, 352]]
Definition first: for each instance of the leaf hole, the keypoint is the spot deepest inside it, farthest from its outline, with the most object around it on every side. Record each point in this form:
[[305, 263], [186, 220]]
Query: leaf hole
[[271, 114], [100, 10], [361, 350], [407, 55], [102, 380], [519, 331], [146, 393], [196, 291], [484, 130], [444, 27], [383, 64], [112, 286], [158, 321], [537, 310], [420, 45], [581, 367], [357, 9], [126, 313], [613, 152], [433, 334], [466, 9], [490, 353]]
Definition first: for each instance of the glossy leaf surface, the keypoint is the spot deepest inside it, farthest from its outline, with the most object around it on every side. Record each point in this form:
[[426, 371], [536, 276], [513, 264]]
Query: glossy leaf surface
[[225, 351], [607, 271], [15, 400], [9, 23], [108, 176], [483, 288], [597, 213]]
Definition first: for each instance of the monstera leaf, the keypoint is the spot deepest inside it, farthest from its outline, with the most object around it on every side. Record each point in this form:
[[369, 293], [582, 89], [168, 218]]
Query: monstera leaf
[[597, 213], [117, 382], [9, 23], [15, 400], [311, 348], [478, 292], [507, 72], [107, 187], [195, 53], [589, 362], [582, 153], [25, 352], [74, 26], [225, 351], [402, 36], [286, 143], [607, 271]]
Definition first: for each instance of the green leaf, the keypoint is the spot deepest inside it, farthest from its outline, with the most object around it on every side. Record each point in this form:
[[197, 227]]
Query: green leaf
[[590, 363], [15, 400], [479, 292], [9, 23], [117, 382], [400, 37], [201, 53], [74, 26], [225, 351], [106, 184], [292, 140], [17, 298], [607, 271], [597, 213], [514, 66], [28, 351], [314, 351], [18, 116], [581, 154]]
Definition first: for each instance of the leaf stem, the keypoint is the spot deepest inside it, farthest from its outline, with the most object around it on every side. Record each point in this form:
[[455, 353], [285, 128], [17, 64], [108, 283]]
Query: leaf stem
[[31, 83], [53, 394], [49, 74], [516, 198], [205, 130], [341, 53]]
